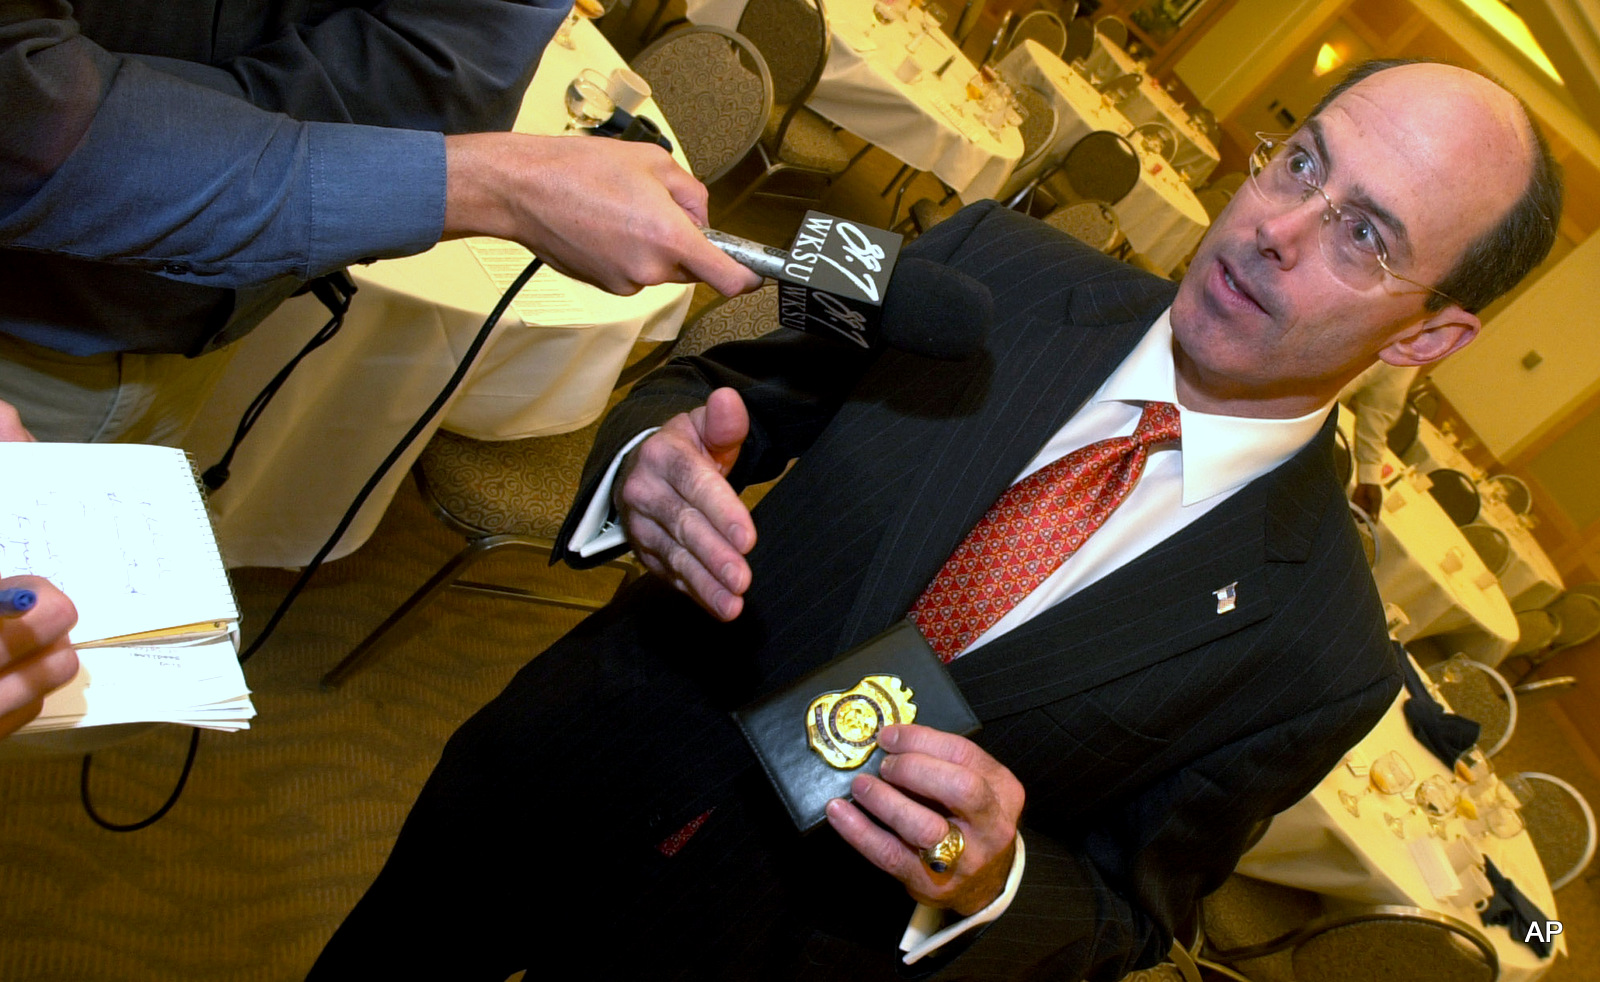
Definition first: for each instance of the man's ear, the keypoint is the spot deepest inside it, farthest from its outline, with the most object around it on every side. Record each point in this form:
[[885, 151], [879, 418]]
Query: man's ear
[[1432, 338]]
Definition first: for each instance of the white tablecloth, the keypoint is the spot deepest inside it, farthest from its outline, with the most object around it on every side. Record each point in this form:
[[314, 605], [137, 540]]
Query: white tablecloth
[[1161, 216], [1318, 845], [1531, 581], [1196, 155], [548, 369], [923, 122], [1426, 566]]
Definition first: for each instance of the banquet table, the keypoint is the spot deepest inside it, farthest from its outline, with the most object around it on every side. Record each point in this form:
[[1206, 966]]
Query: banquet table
[[1426, 567], [926, 122], [1318, 845], [1161, 216], [1196, 156], [1531, 580], [548, 368]]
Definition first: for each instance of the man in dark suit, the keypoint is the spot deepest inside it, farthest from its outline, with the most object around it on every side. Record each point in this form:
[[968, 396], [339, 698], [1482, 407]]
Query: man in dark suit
[[1195, 667]]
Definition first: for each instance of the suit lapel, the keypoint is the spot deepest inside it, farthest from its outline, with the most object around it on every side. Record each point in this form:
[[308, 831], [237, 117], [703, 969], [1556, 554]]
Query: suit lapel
[[1044, 375], [1162, 603]]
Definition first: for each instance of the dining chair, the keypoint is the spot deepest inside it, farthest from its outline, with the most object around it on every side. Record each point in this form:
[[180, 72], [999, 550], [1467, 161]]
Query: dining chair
[[1403, 434], [1578, 615], [1112, 29], [1385, 943], [1536, 629], [998, 45], [1213, 200], [1490, 544], [1157, 137], [793, 38], [1481, 694], [968, 20], [513, 495], [1080, 41], [1456, 494], [1206, 122], [714, 88], [1513, 491], [1091, 222], [1042, 27], [1562, 826], [1178, 967], [1120, 87], [1103, 166], [1244, 912]]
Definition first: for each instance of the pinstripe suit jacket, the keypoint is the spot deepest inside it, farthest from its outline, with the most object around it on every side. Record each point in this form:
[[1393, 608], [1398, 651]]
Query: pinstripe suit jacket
[[1150, 731]]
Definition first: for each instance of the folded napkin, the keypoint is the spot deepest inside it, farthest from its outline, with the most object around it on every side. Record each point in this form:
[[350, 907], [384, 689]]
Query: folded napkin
[[1510, 907], [1446, 735]]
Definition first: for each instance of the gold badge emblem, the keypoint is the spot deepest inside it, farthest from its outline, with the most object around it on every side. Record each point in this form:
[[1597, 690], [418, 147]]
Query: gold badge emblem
[[843, 726]]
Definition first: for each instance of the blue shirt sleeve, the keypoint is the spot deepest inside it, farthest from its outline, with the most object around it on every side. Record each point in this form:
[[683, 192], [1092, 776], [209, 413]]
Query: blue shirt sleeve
[[315, 148]]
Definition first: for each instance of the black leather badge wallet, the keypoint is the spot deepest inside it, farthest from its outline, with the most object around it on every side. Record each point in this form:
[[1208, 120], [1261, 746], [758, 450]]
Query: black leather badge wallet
[[818, 733]]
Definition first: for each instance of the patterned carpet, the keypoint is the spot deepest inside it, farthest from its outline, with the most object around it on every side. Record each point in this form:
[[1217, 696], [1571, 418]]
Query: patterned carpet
[[282, 826]]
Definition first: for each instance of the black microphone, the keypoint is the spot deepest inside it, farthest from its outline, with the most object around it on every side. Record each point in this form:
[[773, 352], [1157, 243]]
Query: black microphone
[[843, 280]]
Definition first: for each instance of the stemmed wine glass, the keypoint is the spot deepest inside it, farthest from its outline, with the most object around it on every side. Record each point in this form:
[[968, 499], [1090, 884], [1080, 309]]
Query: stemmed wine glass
[[587, 101], [586, 9]]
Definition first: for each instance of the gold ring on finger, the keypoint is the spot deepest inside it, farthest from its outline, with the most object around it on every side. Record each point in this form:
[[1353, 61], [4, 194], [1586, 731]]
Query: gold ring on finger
[[941, 857]]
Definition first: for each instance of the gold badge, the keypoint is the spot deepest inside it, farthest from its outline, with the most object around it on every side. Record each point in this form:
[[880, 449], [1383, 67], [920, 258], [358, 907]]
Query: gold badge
[[843, 726]]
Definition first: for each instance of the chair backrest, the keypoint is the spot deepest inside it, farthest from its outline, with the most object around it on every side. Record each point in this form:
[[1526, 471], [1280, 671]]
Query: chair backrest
[[1206, 121], [1482, 695], [1113, 30], [793, 38], [1490, 544], [998, 45], [1404, 431], [1213, 200], [740, 318], [1562, 826], [1578, 617], [1536, 629], [1102, 166], [1042, 27], [714, 88], [1090, 222], [1514, 492], [1456, 494], [1119, 88], [1156, 136], [1394, 944], [1038, 125], [1080, 40], [967, 21]]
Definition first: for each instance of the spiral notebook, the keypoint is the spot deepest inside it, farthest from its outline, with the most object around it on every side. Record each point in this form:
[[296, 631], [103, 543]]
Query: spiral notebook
[[122, 530]]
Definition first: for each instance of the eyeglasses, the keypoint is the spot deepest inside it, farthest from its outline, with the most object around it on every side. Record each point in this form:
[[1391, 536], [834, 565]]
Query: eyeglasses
[[1286, 174]]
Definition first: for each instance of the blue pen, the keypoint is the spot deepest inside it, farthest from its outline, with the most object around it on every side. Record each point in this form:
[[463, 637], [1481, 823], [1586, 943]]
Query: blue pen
[[16, 601]]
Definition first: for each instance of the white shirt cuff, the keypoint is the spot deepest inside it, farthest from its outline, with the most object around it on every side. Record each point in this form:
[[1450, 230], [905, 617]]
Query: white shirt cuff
[[598, 529], [924, 935]]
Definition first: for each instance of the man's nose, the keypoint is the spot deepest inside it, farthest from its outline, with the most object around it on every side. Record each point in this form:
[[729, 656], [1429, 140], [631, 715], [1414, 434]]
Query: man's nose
[[1288, 236]]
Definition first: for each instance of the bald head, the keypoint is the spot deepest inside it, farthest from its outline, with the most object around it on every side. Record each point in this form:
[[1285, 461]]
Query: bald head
[[1478, 142]]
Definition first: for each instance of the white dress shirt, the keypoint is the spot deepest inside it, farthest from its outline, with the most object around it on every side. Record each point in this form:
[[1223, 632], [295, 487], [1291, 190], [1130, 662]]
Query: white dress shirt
[[1218, 456]]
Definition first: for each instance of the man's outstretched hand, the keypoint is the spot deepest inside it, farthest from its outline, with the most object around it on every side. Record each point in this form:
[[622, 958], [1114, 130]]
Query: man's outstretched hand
[[680, 514], [930, 780]]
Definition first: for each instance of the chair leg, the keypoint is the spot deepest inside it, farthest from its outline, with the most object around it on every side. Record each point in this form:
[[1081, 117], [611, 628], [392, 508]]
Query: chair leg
[[858, 155], [894, 180], [900, 197], [383, 635]]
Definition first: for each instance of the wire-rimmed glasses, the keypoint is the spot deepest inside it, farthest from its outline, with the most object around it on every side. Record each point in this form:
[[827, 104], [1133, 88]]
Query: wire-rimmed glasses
[[1287, 174]]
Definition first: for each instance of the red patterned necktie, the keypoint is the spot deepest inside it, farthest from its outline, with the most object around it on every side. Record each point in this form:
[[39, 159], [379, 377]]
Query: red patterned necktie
[[1031, 530]]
